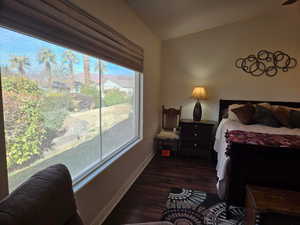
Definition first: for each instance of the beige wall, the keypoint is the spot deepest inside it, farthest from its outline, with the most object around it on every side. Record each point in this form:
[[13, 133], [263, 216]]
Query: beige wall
[[96, 195], [207, 58]]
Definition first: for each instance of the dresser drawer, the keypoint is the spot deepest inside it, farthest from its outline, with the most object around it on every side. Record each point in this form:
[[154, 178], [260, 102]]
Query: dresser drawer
[[193, 149], [196, 131]]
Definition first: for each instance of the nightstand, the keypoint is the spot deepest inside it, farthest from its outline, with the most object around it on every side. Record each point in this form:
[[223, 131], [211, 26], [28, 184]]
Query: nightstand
[[196, 138]]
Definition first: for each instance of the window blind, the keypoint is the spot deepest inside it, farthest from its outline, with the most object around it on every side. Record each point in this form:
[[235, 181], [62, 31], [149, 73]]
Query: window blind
[[63, 23]]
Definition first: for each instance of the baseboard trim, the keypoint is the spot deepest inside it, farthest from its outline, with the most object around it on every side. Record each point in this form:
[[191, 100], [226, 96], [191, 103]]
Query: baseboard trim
[[104, 213]]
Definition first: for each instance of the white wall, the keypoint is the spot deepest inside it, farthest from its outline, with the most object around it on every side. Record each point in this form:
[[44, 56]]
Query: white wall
[[94, 200], [207, 58]]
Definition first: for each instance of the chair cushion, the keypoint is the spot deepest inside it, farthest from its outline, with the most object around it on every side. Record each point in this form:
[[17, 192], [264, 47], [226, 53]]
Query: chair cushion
[[164, 134]]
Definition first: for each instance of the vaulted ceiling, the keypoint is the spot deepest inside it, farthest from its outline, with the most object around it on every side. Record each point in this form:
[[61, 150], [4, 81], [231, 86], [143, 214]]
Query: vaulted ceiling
[[175, 18]]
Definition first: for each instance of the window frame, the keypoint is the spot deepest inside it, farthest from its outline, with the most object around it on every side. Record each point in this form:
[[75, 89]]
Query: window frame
[[3, 175], [3, 164], [100, 165]]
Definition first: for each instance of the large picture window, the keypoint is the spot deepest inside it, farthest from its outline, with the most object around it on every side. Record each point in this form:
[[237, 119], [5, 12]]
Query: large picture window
[[62, 106]]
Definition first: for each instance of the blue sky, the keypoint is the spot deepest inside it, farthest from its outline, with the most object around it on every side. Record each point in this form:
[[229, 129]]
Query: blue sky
[[13, 43]]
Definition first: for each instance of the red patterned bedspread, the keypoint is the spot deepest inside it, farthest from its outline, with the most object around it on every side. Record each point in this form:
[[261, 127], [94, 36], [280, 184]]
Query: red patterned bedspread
[[262, 139]]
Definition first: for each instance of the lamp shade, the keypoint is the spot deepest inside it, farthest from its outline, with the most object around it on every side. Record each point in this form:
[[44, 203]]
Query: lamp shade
[[199, 93]]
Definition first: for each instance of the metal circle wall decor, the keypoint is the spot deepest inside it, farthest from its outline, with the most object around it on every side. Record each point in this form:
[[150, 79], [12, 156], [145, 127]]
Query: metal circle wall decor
[[266, 62]]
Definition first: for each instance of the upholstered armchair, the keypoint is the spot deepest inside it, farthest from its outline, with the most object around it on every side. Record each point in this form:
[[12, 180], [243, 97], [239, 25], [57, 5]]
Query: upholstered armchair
[[45, 199]]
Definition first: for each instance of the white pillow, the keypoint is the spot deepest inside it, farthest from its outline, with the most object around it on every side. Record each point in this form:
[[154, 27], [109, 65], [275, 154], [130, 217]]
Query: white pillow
[[231, 115]]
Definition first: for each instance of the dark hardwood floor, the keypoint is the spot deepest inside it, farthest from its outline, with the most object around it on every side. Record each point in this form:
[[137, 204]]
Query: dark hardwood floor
[[146, 199]]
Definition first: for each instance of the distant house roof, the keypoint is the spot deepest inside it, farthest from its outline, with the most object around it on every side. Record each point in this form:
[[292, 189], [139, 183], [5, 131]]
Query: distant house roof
[[124, 81]]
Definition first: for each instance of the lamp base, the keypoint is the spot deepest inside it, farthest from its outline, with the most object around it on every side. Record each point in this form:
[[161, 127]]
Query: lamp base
[[197, 114]]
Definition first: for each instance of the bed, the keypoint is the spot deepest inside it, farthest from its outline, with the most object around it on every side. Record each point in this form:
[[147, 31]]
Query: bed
[[253, 163]]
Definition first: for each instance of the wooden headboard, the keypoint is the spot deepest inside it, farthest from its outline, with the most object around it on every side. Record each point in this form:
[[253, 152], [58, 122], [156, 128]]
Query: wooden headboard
[[225, 103]]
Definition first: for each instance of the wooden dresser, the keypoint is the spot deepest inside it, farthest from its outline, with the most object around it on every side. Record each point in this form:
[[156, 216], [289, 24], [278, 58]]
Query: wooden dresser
[[196, 138]]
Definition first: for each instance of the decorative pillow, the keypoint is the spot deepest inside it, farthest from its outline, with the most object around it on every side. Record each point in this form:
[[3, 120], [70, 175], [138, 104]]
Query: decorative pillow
[[275, 107], [265, 116], [294, 119], [266, 105], [245, 113], [232, 115], [291, 108], [282, 114]]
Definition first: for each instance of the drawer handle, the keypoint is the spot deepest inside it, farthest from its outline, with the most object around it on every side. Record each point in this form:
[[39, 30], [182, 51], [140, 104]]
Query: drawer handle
[[195, 134]]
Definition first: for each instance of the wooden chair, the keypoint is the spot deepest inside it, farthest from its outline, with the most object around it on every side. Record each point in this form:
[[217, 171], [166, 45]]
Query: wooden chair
[[169, 135]]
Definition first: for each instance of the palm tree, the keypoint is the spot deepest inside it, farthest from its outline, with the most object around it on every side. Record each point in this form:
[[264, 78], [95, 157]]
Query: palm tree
[[60, 71], [86, 68], [48, 58], [20, 63], [70, 58]]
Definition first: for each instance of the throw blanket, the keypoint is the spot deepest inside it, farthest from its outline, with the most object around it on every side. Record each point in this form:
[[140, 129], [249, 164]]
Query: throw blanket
[[263, 139]]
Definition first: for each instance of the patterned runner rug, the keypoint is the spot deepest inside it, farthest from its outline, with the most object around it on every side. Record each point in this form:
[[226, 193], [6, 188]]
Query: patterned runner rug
[[192, 207]]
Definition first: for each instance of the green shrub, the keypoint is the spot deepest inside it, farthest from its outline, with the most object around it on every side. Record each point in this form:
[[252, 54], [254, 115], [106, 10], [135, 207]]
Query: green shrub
[[92, 92], [114, 97], [54, 120], [24, 124], [55, 108], [20, 85]]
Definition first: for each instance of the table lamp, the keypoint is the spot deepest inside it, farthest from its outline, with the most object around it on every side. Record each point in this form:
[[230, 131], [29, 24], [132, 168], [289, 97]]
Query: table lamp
[[199, 93]]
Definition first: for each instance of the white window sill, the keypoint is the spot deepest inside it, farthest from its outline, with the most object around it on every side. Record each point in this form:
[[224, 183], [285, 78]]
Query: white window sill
[[97, 168]]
